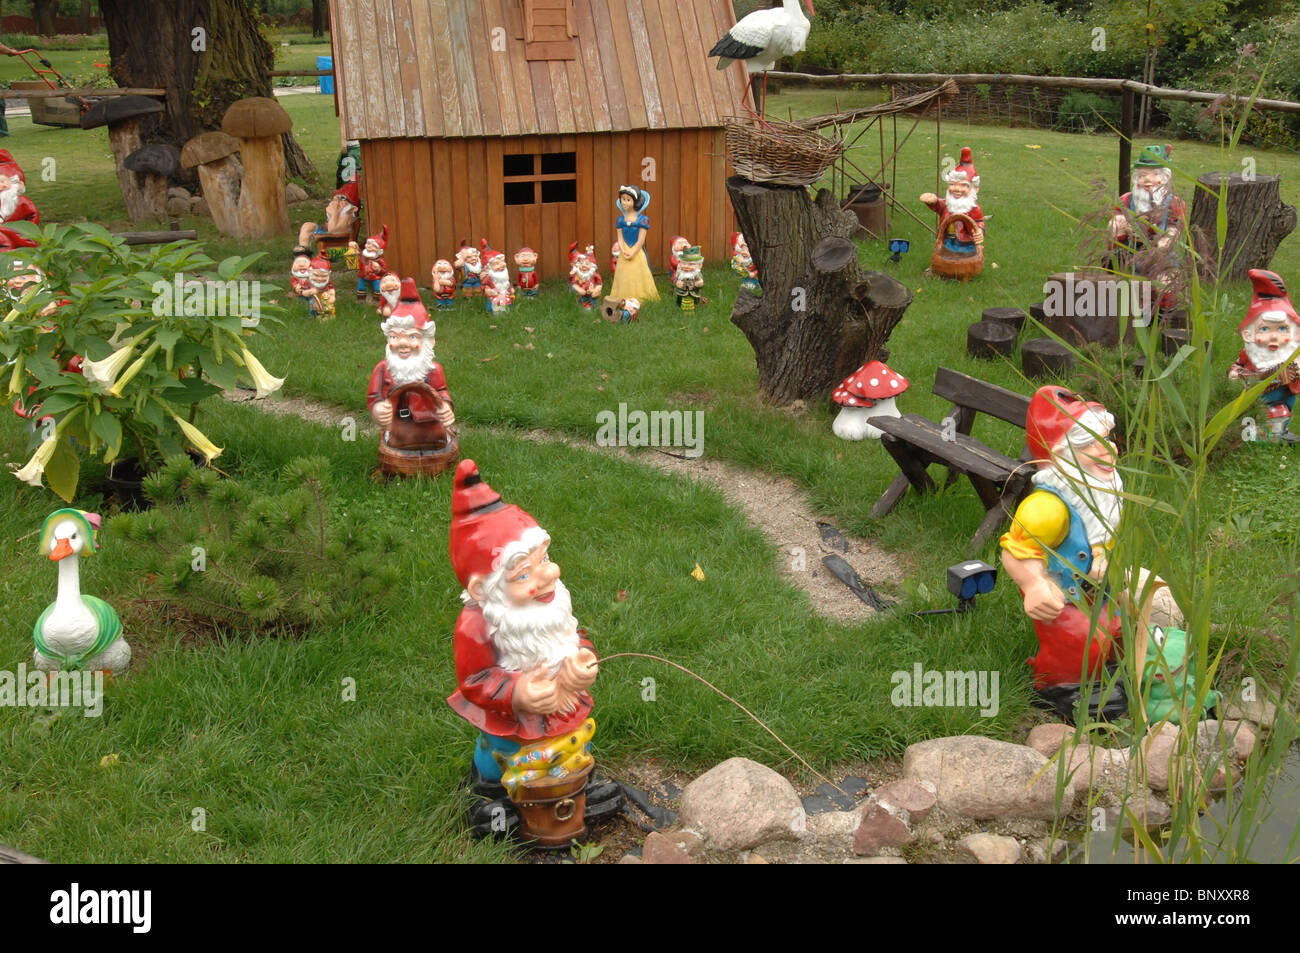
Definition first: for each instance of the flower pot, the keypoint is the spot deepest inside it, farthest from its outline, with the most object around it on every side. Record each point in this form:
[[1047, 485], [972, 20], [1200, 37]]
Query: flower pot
[[552, 811]]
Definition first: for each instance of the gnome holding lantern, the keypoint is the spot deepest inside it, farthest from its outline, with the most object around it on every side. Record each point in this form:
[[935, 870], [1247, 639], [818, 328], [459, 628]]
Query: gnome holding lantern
[[526, 263], [962, 198], [320, 301], [742, 263], [870, 391], [584, 279], [390, 292], [470, 264], [1270, 334], [371, 266], [444, 284], [1058, 547], [523, 667]]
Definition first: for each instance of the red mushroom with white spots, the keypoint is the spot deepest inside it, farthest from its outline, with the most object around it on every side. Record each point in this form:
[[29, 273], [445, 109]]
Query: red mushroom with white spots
[[868, 392]]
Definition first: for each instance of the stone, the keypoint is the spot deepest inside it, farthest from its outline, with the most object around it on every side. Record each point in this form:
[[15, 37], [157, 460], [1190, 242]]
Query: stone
[[177, 206], [1157, 753], [908, 796], [1149, 810], [293, 192], [815, 804], [854, 785], [982, 778], [836, 829], [1035, 853], [1094, 769], [1242, 735], [661, 849], [1058, 850], [690, 842], [879, 829], [843, 800], [991, 848], [740, 804], [1258, 712], [629, 859], [1048, 739], [199, 206], [756, 859], [177, 192]]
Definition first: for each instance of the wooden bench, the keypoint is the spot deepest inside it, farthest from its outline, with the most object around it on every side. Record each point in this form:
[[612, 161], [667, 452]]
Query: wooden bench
[[915, 442]]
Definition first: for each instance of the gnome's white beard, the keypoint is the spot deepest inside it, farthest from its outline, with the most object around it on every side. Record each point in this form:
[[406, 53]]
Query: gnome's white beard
[[584, 274], [407, 370], [392, 297], [536, 634], [499, 279], [320, 284], [472, 267], [444, 278], [1266, 360], [1144, 200], [9, 202], [961, 206], [1097, 501]]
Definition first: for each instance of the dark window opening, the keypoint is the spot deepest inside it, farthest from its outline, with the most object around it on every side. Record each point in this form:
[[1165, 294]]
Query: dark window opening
[[559, 163], [517, 165], [558, 178], [565, 190], [521, 193]]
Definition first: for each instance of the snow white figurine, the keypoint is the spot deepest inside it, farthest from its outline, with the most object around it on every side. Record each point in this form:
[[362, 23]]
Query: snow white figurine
[[632, 278]]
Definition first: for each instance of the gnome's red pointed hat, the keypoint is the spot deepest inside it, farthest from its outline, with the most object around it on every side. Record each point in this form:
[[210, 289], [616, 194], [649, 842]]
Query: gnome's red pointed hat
[[409, 312], [380, 239], [1053, 412], [488, 251], [1270, 295], [965, 170], [10, 167], [484, 530], [320, 263]]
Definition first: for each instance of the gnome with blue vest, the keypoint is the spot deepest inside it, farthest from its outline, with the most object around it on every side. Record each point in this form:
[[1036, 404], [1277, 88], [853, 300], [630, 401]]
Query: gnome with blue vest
[[76, 632]]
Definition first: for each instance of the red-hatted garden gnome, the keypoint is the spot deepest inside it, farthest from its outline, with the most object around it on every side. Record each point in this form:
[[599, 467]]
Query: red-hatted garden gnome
[[470, 263], [371, 266], [962, 198], [409, 358], [584, 279], [444, 284], [320, 300], [1270, 333], [498, 290]]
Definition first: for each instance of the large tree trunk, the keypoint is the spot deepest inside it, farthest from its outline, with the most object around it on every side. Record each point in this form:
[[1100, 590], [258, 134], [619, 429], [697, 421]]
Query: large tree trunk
[[318, 17], [155, 44], [1257, 223], [812, 326], [43, 12]]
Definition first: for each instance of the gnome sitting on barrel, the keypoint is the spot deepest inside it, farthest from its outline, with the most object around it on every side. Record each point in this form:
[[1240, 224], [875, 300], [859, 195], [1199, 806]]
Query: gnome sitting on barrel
[[523, 667]]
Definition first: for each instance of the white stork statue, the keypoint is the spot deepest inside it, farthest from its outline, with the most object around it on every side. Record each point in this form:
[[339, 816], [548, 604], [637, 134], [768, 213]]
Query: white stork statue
[[763, 37]]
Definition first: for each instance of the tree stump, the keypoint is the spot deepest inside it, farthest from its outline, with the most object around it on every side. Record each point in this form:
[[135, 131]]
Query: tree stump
[[1012, 317], [1171, 339], [819, 316], [990, 339], [1257, 223], [1038, 311], [1043, 357]]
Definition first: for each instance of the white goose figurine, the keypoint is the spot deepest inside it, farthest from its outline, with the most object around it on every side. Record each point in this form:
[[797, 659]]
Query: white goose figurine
[[76, 631]]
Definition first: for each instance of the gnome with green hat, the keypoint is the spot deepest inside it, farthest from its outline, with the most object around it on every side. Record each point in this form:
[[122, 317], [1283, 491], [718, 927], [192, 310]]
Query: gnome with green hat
[[1146, 225], [688, 280]]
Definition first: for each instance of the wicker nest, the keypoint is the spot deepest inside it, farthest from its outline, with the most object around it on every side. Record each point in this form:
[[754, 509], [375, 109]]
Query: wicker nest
[[779, 152]]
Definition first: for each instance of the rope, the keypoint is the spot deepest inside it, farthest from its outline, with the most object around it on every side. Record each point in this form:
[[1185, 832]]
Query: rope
[[734, 702]]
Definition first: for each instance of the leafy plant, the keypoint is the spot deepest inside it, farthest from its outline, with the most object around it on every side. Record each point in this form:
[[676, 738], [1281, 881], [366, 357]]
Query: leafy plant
[[254, 560], [114, 348], [584, 853]]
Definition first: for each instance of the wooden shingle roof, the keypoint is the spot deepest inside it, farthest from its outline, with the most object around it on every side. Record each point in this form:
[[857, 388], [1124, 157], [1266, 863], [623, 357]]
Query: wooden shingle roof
[[429, 68]]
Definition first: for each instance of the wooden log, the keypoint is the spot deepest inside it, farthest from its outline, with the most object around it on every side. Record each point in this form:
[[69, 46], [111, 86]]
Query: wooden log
[[1171, 339], [1043, 357], [1257, 223], [1140, 366], [990, 339], [1012, 317], [263, 206], [1038, 312], [808, 331], [883, 299]]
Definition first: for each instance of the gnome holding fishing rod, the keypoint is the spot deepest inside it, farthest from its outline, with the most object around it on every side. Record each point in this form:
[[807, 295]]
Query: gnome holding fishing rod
[[523, 667]]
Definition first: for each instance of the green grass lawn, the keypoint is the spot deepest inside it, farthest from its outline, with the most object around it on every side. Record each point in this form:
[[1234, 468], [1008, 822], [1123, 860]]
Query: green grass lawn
[[256, 732]]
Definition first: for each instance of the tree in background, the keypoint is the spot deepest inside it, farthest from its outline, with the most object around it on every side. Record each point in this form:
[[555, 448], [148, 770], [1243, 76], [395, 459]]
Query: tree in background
[[206, 53]]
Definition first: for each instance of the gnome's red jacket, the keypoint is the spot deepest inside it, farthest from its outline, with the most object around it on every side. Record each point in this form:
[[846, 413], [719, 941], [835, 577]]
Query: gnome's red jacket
[[1246, 366], [25, 211], [381, 384], [485, 696], [372, 269]]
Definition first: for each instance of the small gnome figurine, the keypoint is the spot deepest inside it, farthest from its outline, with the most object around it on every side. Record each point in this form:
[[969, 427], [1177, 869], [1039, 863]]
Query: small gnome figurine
[[300, 277], [583, 277], [628, 310], [675, 249], [320, 303], [444, 284], [689, 280], [743, 264], [962, 198], [1270, 333], [526, 262], [470, 264], [496, 279], [390, 291], [372, 267], [613, 258]]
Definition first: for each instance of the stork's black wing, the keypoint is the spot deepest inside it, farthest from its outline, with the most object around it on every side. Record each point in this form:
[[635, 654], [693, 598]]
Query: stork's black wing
[[731, 47]]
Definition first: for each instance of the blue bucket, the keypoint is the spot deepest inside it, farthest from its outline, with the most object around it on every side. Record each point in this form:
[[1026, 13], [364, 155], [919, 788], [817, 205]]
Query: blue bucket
[[326, 82]]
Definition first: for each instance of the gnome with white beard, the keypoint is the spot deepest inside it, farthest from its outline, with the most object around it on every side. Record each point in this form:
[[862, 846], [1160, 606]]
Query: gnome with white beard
[[961, 198], [409, 358], [1058, 547], [523, 667], [1270, 335], [15, 206]]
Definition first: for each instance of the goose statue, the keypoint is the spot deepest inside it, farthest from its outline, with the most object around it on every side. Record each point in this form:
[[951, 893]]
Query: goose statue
[[76, 631]]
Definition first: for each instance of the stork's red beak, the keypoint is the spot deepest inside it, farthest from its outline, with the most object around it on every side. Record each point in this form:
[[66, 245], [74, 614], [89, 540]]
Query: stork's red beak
[[61, 549]]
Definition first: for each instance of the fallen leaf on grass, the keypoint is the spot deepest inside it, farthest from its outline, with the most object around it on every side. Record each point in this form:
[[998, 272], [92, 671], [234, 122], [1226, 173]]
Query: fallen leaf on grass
[[484, 360], [108, 761], [698, 573], [622, 596]]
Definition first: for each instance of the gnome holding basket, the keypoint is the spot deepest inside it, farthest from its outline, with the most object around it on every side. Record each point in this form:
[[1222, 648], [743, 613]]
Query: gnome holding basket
[[523, 671]]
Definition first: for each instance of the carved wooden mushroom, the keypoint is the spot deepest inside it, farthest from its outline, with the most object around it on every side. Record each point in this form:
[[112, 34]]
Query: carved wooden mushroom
[[215, 155], [121, 114], [259, 123], [153, 165]]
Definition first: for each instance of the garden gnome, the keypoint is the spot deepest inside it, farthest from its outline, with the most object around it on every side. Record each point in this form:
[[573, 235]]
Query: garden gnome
[[1058, 547], [526, 263], [675, 248], [340, 217], [300, 277], [408, 358], [689, 280], [371, 265], [628, 310], [496, 279], [444, 284], [470, 264], [1145, 227], [15, 206], [1270, 333], [583, 277], [390, 292], [613, 257], [321, 300], [962, 198], [523, 667], [742, 263]]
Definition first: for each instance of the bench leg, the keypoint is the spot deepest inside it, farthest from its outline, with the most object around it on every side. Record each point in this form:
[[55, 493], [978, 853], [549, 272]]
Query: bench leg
[[908, 462], [889, 499]]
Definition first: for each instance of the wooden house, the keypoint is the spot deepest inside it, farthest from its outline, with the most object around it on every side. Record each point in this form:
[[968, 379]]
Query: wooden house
[[517, 120]]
